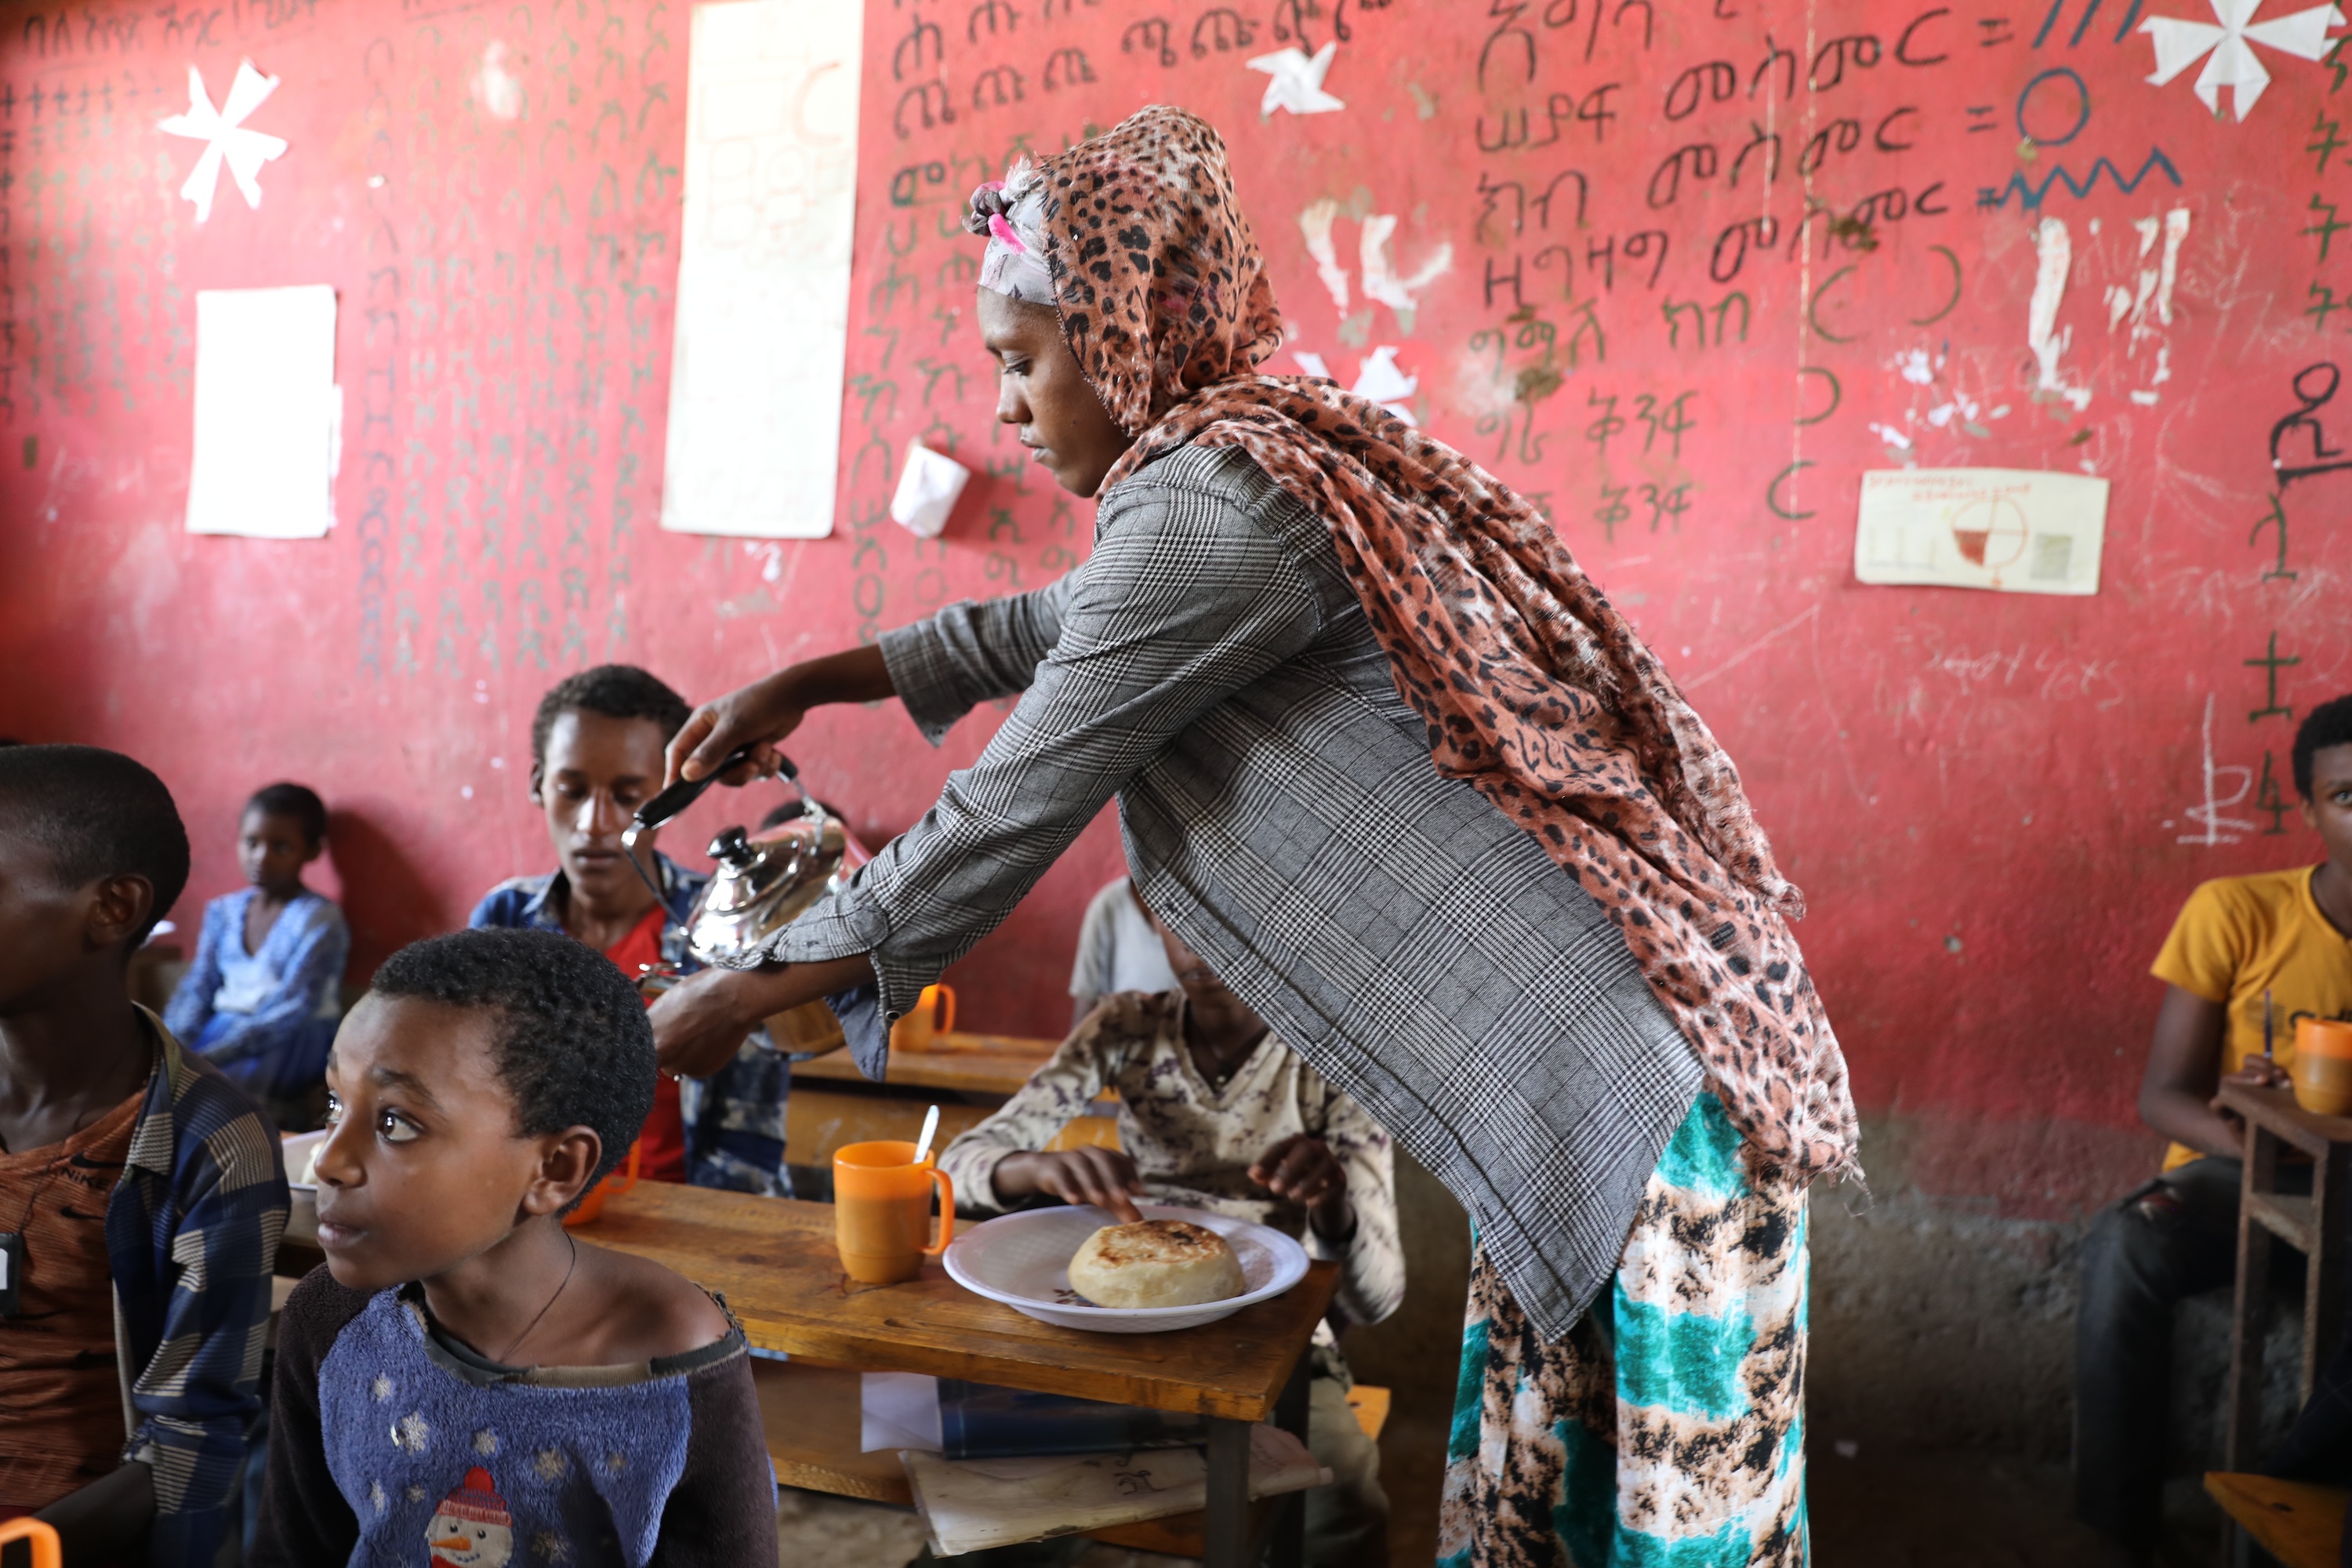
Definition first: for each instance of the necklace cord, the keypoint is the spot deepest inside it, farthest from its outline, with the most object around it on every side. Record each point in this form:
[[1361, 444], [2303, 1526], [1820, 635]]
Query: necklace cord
[[516, 1344]]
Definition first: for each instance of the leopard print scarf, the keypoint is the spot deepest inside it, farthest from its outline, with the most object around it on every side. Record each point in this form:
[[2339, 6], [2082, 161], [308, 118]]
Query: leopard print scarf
[[1533, 687]]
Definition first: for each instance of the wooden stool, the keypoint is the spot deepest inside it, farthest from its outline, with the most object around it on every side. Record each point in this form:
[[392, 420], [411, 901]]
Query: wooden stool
[[2299, 1524], [2312, 1225]]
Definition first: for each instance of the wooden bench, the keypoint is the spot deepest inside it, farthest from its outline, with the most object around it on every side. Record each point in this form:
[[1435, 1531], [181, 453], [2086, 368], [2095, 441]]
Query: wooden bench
[[811, 1413], [2299, 1524]]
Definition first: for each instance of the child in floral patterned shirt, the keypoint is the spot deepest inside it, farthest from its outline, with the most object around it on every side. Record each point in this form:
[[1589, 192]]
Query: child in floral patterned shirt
[[1214, 1112]]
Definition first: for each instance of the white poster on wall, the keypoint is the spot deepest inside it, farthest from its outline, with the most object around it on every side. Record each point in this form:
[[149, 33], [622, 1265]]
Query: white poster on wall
[[2014, 531], [763, 269], [267, 413]]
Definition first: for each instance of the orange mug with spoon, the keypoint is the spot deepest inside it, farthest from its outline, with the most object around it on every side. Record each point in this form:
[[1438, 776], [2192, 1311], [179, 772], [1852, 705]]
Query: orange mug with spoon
[[2322, 1068], [882, 1210]]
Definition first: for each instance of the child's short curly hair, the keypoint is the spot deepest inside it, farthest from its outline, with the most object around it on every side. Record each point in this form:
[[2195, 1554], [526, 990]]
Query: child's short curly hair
[[573, 1047], [2325, 726], [95, 813], [614, 690]]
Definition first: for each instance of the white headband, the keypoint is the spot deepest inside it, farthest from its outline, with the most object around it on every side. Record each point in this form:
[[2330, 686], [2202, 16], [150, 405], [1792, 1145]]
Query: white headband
[[1011, 213]]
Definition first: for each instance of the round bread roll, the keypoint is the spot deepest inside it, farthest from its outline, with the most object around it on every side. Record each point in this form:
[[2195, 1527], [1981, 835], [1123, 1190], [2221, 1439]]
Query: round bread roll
[[1155, 1263]]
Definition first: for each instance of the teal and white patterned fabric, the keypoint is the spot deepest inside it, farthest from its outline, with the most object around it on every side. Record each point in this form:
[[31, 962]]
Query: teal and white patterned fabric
[[1667, 1430]]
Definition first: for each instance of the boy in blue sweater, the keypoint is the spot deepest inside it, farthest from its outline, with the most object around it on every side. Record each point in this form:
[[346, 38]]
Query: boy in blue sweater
[[464, 1375]]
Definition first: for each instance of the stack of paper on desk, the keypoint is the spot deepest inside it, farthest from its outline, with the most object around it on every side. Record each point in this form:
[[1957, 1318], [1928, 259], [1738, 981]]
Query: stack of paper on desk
[[972, 1504]]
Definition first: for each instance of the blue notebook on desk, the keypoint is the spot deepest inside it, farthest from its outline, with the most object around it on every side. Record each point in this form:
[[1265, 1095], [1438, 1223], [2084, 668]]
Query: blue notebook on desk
[[980, 1421]]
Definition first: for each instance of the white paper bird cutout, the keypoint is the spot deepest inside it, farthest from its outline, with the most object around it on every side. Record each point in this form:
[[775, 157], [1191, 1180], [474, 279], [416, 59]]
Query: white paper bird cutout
[[225, 137], [1297, 81], [2232, 62]]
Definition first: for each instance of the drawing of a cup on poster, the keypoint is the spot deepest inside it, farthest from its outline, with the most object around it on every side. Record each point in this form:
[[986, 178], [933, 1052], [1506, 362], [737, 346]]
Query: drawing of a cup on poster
[[2013, 530]]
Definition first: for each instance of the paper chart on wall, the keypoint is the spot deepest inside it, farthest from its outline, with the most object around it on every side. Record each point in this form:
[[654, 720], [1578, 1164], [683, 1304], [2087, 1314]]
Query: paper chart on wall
[[2014, 531], [267, 413], [762, 323]]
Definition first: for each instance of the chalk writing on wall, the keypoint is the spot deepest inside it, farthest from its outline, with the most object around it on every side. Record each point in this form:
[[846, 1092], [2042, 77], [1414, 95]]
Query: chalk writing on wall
[[1681, 273]]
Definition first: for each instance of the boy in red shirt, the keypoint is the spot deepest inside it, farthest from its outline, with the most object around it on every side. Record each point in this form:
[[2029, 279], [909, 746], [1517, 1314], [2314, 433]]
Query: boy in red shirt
[[596, 747]]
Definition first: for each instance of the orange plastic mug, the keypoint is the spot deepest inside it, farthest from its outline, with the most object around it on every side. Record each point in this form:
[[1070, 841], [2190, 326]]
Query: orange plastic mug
[[882, 1210], [46, 1552], [2322, 1068], [933, 1016], [615, 1184]]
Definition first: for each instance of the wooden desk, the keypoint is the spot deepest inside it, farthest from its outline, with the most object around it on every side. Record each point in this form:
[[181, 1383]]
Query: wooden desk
[[774, 1259], [2312, 1225], [967, 1064], [2300, 1525]]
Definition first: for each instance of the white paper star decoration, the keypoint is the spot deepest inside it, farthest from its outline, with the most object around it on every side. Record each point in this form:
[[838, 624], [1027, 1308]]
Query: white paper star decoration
[[225, 138], [1297, 81], [2232, 62]]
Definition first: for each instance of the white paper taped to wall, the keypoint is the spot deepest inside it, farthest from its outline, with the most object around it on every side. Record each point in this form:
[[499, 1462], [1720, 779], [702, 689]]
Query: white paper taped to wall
[[928, 489], [267, 412], [2014, 531], [763, 269]]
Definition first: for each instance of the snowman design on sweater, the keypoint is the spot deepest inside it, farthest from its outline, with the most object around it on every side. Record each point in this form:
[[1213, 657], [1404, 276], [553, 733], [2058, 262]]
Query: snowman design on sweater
[[584, 1459], [471, 1528]]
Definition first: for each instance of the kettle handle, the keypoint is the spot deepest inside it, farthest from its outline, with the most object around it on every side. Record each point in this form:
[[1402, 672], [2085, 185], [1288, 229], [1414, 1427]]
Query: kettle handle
[[676, 798], [686, 792]]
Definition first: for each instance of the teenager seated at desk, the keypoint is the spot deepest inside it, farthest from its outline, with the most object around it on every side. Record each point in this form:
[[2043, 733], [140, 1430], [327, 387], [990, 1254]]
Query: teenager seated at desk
[[596, 746], [141, 1191], [261, 998], [1217, 1113], [2247, 957]]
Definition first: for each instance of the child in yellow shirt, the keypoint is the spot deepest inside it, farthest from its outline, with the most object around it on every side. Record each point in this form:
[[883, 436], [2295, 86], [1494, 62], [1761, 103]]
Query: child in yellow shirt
[[2247, 958]]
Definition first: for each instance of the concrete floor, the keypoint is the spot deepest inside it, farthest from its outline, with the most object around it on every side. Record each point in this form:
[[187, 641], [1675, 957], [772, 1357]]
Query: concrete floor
[[1915, 1508]]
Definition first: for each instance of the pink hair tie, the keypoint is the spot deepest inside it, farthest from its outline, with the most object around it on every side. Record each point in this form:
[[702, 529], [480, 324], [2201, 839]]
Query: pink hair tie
[[1004, 232]]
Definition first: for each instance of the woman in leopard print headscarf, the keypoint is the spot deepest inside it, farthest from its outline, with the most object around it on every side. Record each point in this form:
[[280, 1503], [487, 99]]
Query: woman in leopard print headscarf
[[1126, 300]]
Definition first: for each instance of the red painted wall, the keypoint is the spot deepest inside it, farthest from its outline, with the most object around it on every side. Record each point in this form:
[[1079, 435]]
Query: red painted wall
[[1990, 799]]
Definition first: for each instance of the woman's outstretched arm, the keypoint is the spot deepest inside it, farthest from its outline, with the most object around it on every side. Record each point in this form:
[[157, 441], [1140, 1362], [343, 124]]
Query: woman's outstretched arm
[[762, 713]]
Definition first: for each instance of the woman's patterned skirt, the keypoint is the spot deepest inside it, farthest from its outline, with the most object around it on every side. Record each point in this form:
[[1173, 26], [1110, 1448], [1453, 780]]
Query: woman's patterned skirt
[[1667, 1430]]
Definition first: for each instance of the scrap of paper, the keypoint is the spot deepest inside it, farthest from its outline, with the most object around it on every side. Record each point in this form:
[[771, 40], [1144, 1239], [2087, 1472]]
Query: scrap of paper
[[228, 140], [267, 412], [762, 323], [928, 488], [2014, 531], [971, 1505]]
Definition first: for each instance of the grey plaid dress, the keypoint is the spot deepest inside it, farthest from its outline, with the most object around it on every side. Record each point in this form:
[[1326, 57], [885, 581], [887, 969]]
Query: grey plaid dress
[[1211, 667]]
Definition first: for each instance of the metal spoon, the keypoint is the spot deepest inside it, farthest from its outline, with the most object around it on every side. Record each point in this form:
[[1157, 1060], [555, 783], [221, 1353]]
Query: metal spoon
[[931, 1128]]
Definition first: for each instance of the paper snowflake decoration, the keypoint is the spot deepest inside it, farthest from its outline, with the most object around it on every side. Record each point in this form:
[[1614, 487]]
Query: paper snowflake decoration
[[2227, 49], [225, 137], [1296, 80]]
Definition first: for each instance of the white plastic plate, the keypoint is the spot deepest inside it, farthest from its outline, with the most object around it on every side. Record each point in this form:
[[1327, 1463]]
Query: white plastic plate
[[1024, 1261]]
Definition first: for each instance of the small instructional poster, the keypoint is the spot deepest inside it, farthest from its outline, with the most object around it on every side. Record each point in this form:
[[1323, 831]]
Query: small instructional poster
[[2013, 530]]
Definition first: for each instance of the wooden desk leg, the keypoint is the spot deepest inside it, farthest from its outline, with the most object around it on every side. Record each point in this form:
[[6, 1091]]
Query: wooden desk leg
[[2323, 1288], [1226, 1535], [1288, 1546], [2242, 1415]]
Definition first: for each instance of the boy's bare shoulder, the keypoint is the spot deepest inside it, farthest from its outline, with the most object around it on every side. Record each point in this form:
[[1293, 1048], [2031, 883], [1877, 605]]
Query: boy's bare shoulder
[[651, 1312]]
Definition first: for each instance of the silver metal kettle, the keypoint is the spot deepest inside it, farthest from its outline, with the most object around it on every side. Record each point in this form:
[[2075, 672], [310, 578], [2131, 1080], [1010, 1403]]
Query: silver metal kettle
[[762, 882]]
